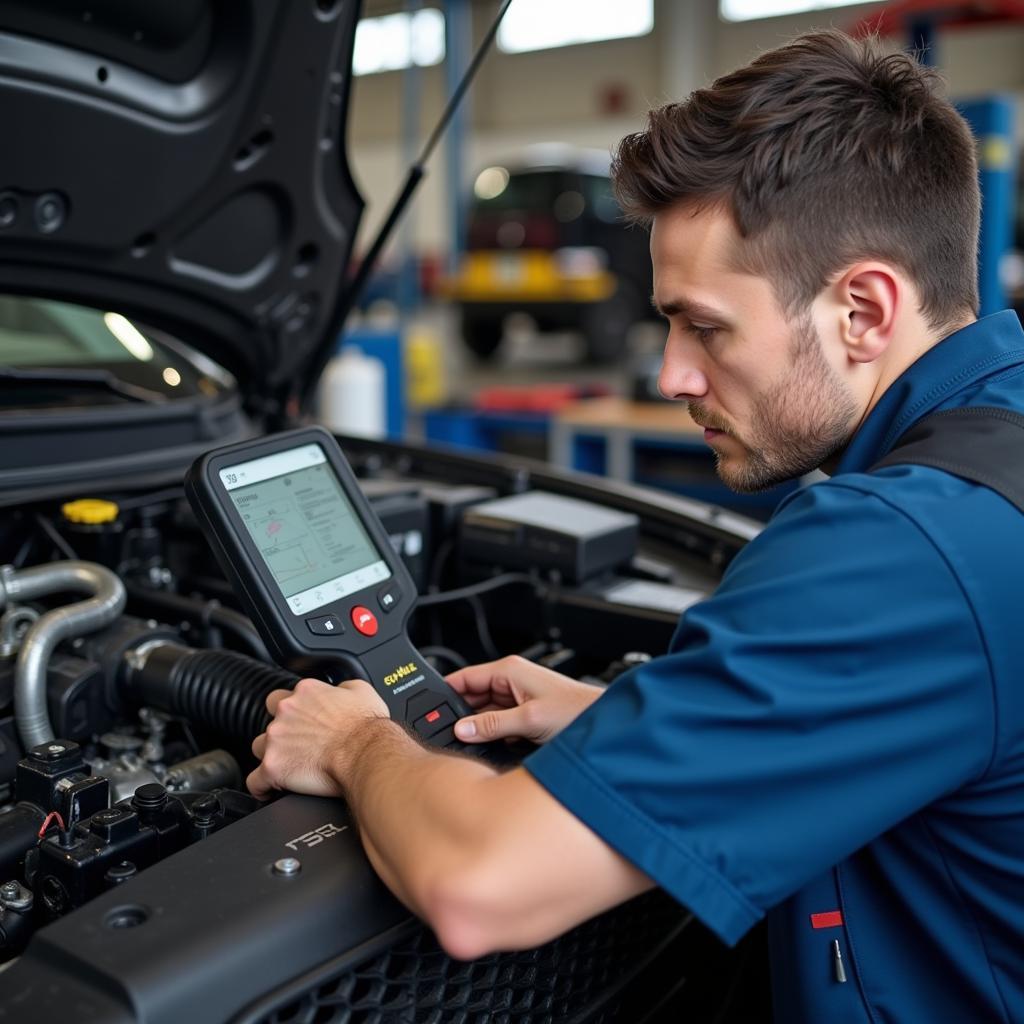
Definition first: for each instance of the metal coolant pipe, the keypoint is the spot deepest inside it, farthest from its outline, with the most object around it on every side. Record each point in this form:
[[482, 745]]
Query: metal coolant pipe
[[105, 603]]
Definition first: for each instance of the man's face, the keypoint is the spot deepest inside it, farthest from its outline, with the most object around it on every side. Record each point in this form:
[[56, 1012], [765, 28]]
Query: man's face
[[761, 384]]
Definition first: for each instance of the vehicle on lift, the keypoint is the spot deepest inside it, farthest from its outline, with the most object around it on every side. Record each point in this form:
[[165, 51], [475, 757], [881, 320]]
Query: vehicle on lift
[[547, 238], [174, 210]]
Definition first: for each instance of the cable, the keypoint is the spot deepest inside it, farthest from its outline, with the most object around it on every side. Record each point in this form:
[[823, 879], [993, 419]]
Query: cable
[[474, 590], [482, 629], [444, 552], [140, 500], [438, 651], [48, 819], [22, 556], [58, 541]]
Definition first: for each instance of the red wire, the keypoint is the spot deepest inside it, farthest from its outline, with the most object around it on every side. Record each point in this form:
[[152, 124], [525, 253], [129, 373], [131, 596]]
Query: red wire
[[48, 819]]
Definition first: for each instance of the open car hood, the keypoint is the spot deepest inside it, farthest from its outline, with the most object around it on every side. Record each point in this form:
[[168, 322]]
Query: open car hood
[[183, 162]]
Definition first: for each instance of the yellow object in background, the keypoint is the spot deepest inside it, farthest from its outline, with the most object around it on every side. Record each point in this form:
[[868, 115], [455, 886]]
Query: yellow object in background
[[426, 383], [91, 511]]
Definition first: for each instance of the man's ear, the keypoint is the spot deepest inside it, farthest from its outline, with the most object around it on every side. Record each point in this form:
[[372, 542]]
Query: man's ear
[[869, 296]]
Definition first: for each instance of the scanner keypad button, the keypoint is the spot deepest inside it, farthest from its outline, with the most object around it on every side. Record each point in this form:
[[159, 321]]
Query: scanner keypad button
[[388, 596], [325, 625], [434, 720], [364, 620]]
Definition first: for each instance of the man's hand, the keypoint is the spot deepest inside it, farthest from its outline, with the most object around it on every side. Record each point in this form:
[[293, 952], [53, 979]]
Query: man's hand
[[307, 746], [515, 697]]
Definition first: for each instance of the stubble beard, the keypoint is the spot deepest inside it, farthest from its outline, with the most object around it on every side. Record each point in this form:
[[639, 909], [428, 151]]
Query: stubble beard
[[796, 425]]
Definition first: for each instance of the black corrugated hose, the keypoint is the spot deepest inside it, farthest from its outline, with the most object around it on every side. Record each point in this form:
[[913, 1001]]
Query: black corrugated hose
[[222, 691]]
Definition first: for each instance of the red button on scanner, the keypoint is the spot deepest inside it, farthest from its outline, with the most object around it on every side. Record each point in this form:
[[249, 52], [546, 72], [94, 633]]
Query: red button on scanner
[[433, 716], [364, 620]]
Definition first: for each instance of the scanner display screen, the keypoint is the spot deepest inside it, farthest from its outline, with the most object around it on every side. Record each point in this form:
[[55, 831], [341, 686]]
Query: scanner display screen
[[304, 527]]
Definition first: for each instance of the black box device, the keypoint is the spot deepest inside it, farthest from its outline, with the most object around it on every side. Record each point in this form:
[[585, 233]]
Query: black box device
[[546, 531], [313, 566]]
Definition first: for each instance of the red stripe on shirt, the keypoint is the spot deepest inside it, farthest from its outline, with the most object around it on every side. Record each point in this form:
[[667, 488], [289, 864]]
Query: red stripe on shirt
[[832, 919]]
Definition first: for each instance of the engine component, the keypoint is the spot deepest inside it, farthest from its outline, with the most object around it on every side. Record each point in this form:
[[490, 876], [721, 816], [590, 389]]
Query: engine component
[[334, 913], [217, 690], [55, 777], [16, 903], [125, 772], [133, 758], [209, 614], [72, 866], [105, 604], [544, 531], [74, 693], [19, 826], [76, 865], [74, 697], [214, 769], [14, 624], [94, 529], [404, 515]]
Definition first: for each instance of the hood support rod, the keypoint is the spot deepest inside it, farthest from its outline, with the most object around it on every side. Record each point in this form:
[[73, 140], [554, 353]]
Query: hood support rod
[[412, 180]]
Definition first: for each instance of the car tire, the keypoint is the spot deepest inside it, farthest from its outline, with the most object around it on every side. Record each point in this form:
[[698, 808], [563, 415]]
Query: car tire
[[482, 335]]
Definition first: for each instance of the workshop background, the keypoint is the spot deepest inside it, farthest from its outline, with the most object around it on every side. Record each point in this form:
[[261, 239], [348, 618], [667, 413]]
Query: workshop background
[[511, 309]]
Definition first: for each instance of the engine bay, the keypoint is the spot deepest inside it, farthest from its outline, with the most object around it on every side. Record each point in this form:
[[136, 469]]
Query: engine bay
[[131, 684]]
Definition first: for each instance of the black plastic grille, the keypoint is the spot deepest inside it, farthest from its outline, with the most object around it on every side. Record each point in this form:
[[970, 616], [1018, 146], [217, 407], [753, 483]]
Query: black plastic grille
[[577, 977]]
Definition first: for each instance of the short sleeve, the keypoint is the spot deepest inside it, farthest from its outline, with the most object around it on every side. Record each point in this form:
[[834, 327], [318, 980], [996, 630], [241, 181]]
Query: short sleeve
[[833, 685]]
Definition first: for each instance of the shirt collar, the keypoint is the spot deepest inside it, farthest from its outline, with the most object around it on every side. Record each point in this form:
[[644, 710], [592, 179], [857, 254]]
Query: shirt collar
[[966, 356]]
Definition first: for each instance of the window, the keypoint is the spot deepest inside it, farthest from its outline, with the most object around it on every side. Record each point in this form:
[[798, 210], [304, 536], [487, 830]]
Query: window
[[747, 10], [544, 24], [398, 41]]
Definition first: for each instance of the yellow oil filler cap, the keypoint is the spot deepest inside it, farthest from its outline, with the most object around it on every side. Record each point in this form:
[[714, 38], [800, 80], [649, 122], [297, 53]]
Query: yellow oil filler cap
[[92, 511]]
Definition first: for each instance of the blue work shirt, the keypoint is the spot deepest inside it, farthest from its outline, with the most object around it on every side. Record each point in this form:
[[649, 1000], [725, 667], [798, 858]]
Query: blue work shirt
[[836, 736]]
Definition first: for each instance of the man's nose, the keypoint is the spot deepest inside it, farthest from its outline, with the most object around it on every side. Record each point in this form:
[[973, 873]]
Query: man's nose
[[680, 378]]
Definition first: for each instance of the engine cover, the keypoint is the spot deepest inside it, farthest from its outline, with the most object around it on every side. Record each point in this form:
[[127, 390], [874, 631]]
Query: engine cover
[[184, 940]]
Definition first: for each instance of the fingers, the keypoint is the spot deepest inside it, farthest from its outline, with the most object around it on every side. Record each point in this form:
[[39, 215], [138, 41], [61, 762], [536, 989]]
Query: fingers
[[274, 698], [259, 784], [496, 725], [490, 681], [259, 746]]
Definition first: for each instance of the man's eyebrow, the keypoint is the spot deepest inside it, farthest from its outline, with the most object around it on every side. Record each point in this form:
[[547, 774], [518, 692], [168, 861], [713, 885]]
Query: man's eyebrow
[[693, 310]]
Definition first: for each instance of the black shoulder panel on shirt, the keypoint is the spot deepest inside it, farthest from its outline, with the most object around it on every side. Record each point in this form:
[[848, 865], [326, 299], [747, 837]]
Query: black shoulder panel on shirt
[[982, 444]]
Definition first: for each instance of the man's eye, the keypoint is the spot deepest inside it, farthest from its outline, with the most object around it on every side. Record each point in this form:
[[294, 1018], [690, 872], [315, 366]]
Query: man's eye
[[703, 334]]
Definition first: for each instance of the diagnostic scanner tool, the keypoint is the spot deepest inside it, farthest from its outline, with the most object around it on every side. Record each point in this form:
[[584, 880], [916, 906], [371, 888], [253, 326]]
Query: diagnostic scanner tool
[[313, 566]]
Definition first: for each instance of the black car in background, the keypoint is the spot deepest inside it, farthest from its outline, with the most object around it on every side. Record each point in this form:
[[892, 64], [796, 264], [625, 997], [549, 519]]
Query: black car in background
[[176, 219], [547, 238]]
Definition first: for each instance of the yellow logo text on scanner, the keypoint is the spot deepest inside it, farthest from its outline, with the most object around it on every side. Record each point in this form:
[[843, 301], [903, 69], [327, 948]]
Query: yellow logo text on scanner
[[400, 673]]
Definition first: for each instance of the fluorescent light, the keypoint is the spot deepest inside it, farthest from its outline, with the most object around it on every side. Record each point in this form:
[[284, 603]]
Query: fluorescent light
[[128, 334], [545, 24], [398, 41], [747, 10]]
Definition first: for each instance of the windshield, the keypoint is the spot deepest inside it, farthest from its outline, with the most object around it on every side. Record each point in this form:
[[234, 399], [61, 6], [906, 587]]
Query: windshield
[[58, 353]]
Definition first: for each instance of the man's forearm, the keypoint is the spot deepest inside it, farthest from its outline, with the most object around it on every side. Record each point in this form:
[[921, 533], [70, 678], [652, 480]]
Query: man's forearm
[[489, 860], [420, 812]]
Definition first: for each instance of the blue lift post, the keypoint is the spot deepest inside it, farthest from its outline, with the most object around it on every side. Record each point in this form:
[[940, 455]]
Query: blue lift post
[[991, 119]]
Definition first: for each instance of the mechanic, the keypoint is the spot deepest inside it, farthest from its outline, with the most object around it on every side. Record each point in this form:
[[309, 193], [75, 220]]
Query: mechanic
[[836, 737]]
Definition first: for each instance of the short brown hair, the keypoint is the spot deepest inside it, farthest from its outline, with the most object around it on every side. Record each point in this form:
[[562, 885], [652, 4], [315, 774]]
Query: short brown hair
[[827, 151]]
